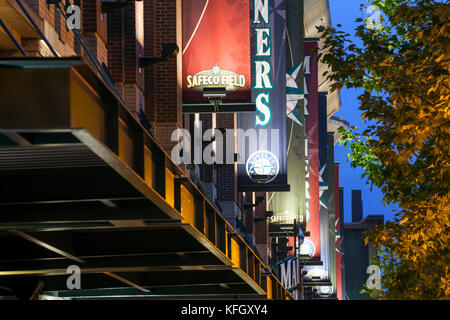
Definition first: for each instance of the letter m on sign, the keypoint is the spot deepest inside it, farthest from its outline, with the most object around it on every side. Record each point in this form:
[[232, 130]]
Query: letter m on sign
[[286, 273]]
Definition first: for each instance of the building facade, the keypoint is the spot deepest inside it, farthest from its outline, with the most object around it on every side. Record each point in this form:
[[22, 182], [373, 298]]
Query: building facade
[[113, 74]]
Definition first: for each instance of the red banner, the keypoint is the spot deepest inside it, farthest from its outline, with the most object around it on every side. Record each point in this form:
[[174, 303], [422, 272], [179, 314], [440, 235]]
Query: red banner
[[312, 145], [216, 49]]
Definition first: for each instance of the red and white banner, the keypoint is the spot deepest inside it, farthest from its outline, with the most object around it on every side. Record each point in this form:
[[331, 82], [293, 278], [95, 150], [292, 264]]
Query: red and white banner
[[312, 145]]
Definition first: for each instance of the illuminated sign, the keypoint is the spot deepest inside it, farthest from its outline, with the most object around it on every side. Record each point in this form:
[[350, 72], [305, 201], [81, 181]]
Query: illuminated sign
[[312, 145], [262, 67], [283, 218], [266, 154], [289, 272], [324, 162], [282, 223], [290, 206], [263, 163], [307, 248], [216, 78], [216, 49], [324, 291]]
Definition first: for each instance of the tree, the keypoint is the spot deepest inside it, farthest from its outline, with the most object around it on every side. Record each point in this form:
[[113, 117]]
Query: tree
[[403, 67]]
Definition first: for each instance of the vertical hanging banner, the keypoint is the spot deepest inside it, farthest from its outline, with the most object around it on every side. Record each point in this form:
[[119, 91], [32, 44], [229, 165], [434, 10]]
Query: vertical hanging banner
[[289, 271], [261, 138], [341, 245], [323, 182], [216, 49], [289, 206], [338, 249], [312, 148], [331, 211]]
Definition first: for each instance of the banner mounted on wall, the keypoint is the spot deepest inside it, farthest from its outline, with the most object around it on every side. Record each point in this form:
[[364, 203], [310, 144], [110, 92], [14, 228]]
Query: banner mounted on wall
[[323, 181], [216, 49], [289, 207], [312, 145], [338, 221]]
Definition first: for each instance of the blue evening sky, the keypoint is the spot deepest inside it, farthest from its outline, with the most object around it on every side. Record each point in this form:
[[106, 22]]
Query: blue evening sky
[[345, 12]]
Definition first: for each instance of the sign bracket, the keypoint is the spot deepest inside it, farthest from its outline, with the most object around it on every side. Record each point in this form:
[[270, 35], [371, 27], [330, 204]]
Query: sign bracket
[[219, 107]]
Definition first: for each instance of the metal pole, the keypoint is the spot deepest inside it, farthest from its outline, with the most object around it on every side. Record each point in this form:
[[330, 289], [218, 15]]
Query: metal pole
[[37, 28], [5, 27]]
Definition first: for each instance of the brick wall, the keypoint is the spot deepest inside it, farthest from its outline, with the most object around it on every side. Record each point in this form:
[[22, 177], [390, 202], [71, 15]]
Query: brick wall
[[248, 213], [260, 228], [149, 50], [124, 51], [162, 24], [93, 21], [116, 46], [53, 25], [94, 26], [130, 45], [207, 172], [226, 174], [44, 11]]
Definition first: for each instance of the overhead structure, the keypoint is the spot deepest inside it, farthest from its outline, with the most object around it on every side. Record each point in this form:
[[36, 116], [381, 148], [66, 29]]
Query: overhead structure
[[84, 184]]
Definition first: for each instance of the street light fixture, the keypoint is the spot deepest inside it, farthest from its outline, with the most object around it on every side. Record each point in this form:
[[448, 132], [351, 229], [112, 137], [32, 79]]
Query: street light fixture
[[168, 50]]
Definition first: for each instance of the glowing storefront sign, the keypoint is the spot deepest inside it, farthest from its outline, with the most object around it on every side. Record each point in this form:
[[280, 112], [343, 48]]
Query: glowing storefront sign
[[267, 155]]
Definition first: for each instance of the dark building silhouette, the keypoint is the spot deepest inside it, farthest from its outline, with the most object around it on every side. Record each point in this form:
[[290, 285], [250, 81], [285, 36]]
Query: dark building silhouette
[[357, 207], [357, 255]]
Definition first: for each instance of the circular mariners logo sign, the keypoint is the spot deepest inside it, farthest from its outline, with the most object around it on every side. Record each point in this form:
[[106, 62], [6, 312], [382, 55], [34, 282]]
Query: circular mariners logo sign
[[262, 166], [307, 248]]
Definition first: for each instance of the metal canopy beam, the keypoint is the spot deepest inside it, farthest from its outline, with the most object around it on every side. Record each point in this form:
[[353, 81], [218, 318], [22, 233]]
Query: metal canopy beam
[[66, 255], [55, 280], [206, 291], [180, 259], [126, 281], [170, 291], [47, 246], [80, 211], [102, 241], [108, 269], [17, 138]]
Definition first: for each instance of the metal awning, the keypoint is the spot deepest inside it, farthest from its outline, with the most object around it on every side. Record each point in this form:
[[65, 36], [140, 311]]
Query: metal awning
[[83, 183]]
